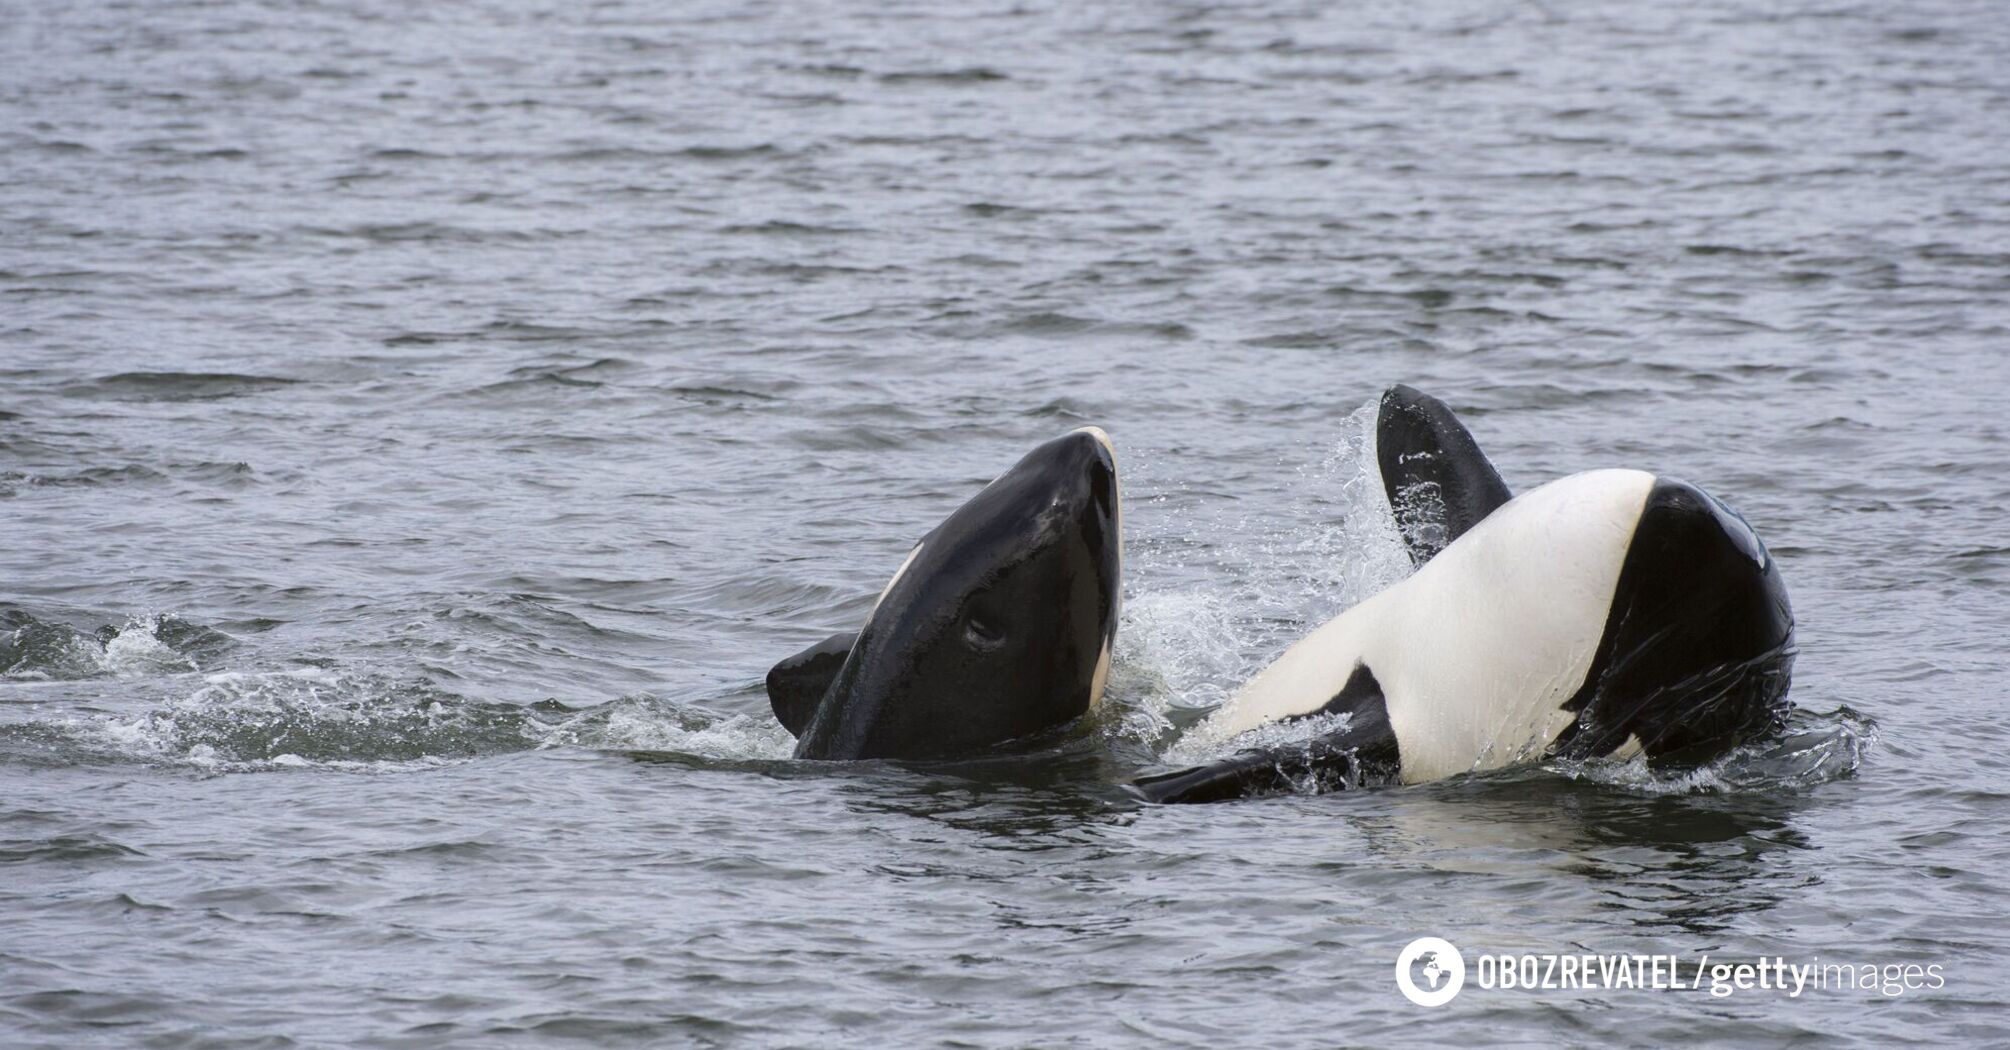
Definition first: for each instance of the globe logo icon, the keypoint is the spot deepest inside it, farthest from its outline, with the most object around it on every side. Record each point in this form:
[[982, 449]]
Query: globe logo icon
[[1430, 971]]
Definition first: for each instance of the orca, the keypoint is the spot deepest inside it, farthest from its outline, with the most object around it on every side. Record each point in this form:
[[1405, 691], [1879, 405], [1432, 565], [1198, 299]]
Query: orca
[[1609, 613], [996, 628]]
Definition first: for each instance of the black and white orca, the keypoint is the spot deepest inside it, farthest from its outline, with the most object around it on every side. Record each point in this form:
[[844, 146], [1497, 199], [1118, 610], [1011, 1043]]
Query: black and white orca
[[997, 627], [1610, 613]]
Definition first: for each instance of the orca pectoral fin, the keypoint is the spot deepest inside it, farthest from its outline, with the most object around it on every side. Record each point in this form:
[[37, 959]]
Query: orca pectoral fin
[[797, 685], [1363, 753], [1438, 481], [1255, 772]]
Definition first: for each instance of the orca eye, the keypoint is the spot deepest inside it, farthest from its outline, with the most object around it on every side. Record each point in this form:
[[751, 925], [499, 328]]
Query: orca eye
[[981, 635]]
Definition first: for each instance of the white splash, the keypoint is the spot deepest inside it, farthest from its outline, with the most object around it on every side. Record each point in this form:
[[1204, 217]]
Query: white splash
[[1816, 749], [57, 652], [647, 724], [137, 650], [1193, 648], [1199, 747]]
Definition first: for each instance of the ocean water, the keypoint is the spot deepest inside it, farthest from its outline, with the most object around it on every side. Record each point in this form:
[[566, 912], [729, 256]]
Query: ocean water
[[421, 427]]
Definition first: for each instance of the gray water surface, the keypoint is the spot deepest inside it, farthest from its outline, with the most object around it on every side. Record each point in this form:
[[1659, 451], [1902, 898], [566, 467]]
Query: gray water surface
[[422, 425]]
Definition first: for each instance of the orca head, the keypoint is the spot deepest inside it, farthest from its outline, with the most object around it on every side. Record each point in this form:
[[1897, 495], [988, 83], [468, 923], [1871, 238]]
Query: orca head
[[999, 624], [1698, 648]]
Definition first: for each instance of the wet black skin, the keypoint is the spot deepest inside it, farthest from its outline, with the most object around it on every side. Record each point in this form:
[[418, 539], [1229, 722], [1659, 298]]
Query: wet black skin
[[991, 634], [1438, 481], [1698, 647]]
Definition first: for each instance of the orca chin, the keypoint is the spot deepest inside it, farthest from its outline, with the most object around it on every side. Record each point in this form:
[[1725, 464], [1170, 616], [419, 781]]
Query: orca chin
[[1611, 613], [997, 627]]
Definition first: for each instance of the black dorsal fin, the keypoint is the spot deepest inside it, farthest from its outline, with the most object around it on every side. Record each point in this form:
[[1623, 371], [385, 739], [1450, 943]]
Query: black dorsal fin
[[1363, 752], [1439, 482], [797, 685]]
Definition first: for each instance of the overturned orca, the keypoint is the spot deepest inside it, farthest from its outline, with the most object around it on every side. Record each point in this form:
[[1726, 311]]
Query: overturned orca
[[1610, 613], [997, 627]]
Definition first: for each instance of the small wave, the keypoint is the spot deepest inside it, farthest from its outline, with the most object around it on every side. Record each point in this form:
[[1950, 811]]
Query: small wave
[[1049, 323], [88, 848], [324, 720], [786, 228], [176, 386], [1814, 749], [991, 210], [748, 152], [92, 477], [294, 719], [969, 75], [643, 723], [38, 650]]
